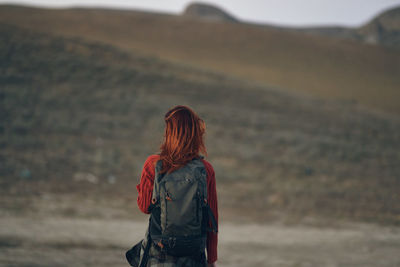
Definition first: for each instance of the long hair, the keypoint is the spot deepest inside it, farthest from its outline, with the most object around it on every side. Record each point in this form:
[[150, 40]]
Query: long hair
[[183, 138]]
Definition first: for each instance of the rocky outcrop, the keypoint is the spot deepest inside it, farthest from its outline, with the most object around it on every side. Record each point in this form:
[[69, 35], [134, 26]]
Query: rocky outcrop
[[208, 12], [383, 29]]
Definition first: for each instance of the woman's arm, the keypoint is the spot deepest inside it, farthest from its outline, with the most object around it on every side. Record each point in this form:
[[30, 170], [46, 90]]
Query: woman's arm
[[212, 238], [145, 187]]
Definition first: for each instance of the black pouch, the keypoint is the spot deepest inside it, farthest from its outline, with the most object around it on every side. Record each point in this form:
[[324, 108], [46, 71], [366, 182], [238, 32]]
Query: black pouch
[[182, 247], [133, 255]]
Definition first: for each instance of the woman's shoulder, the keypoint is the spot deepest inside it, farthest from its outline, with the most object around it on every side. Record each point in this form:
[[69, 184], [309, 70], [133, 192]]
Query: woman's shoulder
[[151, 160], [208, 165]]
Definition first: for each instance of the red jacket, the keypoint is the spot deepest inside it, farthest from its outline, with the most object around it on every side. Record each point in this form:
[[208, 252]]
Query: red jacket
[[145, 190]]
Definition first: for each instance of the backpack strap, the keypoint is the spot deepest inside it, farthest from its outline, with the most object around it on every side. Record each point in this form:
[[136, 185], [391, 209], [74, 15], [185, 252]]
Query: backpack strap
[[155, 201], [211, 217], [144, 259]]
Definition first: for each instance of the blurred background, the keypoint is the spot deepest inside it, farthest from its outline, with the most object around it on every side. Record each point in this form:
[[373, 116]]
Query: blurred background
[[301, 101]]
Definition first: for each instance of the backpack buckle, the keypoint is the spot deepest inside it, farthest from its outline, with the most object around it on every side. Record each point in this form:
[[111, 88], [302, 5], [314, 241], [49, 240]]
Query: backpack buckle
[[171, 242], [168, 197]]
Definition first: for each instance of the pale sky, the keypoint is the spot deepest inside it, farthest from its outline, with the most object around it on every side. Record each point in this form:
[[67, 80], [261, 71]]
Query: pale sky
[[279, 12]]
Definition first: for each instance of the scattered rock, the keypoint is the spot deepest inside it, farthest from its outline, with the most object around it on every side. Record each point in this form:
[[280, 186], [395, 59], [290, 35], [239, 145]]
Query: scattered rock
[[111, 179], [25, 174], [88, 177], [99, 141]]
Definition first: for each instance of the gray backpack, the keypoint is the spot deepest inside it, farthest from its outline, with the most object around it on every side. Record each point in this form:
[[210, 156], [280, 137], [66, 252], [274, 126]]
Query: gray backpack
[[180, 214]]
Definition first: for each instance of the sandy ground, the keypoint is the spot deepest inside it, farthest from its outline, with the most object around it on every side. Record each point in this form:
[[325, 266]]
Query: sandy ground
[[59, 241]]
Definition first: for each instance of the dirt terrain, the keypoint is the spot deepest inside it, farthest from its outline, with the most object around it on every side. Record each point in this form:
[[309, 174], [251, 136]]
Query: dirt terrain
[[56, 230], [57, 241]]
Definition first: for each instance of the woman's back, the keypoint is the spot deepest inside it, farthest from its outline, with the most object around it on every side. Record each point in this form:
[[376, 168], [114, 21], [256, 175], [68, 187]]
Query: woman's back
[[170, 187]]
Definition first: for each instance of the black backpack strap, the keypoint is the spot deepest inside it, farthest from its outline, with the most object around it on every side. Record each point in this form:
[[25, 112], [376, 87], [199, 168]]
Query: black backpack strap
[[211, 217], [156, 185], [145, 257], [154, 203]]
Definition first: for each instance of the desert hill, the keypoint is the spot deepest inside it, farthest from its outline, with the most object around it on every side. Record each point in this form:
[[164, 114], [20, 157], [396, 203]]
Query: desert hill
[[343, 70], [383, 29], [78, 119]]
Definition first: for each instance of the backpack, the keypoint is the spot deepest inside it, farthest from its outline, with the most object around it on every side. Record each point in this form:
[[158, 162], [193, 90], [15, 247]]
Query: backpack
[[179, 210]]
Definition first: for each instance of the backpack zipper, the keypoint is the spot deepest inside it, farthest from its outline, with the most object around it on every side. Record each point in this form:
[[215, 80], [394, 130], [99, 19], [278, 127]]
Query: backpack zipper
[[197, 206]]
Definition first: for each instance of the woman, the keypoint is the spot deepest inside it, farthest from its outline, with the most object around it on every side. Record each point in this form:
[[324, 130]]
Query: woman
[[183, 142]]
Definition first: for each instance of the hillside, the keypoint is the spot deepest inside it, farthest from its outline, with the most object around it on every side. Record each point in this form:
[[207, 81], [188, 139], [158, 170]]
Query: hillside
[[383, 29], [79, 118], [340, 70]]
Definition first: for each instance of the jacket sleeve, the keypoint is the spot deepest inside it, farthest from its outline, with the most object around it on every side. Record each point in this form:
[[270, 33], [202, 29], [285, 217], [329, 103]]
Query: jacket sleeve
[[212, 238], [145, 187]]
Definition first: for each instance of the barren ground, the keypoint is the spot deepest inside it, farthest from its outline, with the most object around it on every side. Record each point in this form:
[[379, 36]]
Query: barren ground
[[61, 241]]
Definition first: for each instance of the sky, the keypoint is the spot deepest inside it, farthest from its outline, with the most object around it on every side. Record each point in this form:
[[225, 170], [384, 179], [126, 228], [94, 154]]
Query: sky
[[280, 12]]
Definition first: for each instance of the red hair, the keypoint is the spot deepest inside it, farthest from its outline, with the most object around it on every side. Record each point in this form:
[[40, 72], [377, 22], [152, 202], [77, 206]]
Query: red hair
[[183, 138]]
